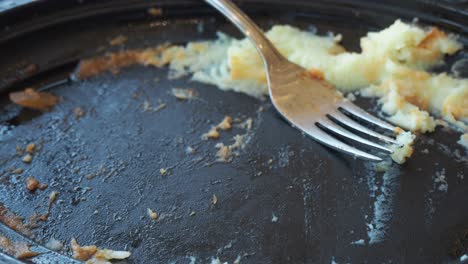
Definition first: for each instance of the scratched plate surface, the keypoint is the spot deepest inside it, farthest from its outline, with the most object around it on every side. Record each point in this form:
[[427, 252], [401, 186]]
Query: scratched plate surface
[[284, 199]]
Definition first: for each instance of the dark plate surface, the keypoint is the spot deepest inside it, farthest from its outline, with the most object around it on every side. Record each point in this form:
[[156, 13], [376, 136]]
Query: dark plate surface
[[323, 201]]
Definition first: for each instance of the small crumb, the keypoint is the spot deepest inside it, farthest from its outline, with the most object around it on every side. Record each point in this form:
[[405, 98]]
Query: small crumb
[[52, 197], [152, 214], [261, 109], [163, 171], [274, 218], [358, 242], [19, 150], [42, 186], [425, 151], [54, 244], [155, 11], [351, 97], [31, 184], [82, 253], [119, 40], [224, 153], [18, 171], [147, 106], [30, 148], [215, 199], [184, 94], [189, 150], [226, 124], [35, 100], [27, 158], [270, 161], [247, 124], [79, 112], [213, 134], [193, 213]]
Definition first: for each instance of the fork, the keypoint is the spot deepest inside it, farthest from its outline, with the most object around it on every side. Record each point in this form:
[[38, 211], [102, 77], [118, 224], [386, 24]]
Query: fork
[[307, 102]]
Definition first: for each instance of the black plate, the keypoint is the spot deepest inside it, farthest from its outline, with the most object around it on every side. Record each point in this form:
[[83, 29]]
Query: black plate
[[324, 201]]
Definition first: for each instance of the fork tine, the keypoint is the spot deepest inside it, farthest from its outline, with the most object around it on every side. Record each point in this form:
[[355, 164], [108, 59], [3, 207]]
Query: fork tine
[[334, 143], [345, 120], [357, 111], [328, 124]]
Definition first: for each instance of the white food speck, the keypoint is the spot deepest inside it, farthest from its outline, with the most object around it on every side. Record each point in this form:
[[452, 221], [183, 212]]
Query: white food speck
[[274, 218], [441, 180], [464, 257], [192, 260], [358, 242]]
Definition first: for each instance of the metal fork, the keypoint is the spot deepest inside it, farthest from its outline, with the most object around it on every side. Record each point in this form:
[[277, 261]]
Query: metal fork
[[308, 103]]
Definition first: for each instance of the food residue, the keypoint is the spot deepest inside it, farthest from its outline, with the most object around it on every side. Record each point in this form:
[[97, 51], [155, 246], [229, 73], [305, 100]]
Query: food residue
[[79, 112], [31, 184], [152, 214], [54, 244], [35, 100], [13, 221], [119, 40], [155, 11], [163, 171], [27, 158], [19, 250], [184, 94], [30, 148], [215, 199], [225, 124], [147, 106], [94, 255]]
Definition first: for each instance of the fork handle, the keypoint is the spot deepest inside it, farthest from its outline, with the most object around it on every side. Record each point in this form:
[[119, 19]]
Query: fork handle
[[266, 49]]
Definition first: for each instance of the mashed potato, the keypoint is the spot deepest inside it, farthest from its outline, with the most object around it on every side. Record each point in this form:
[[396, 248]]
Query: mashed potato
[[391, 66]]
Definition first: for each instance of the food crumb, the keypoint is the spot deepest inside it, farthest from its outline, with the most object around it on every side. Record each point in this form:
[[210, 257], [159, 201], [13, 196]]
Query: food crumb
[[31, 184], [27, 158], [147, 106], [163, 171], [32, 99], [184, 94], [155, 11], [464, 257], [54, 244], [119, 40], [82, 253], [226, 124], [30, 148], [189, 150], [19, 150], [17, 171], [224, 153], [213, 134], [215, 199], [52, 197], [358, 242], [42, 186], [274, 218], [79, 112], [19, 250], [152, 214], [193, 213]]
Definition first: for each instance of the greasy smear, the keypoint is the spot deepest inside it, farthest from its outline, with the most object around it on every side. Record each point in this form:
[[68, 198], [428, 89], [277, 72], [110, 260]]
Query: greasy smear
[[19, 250], [35, 100], [113, 62], [13, 221]]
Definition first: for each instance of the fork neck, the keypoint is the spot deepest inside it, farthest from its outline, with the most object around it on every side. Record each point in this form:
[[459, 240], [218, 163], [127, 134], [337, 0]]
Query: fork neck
[[268, 52]]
